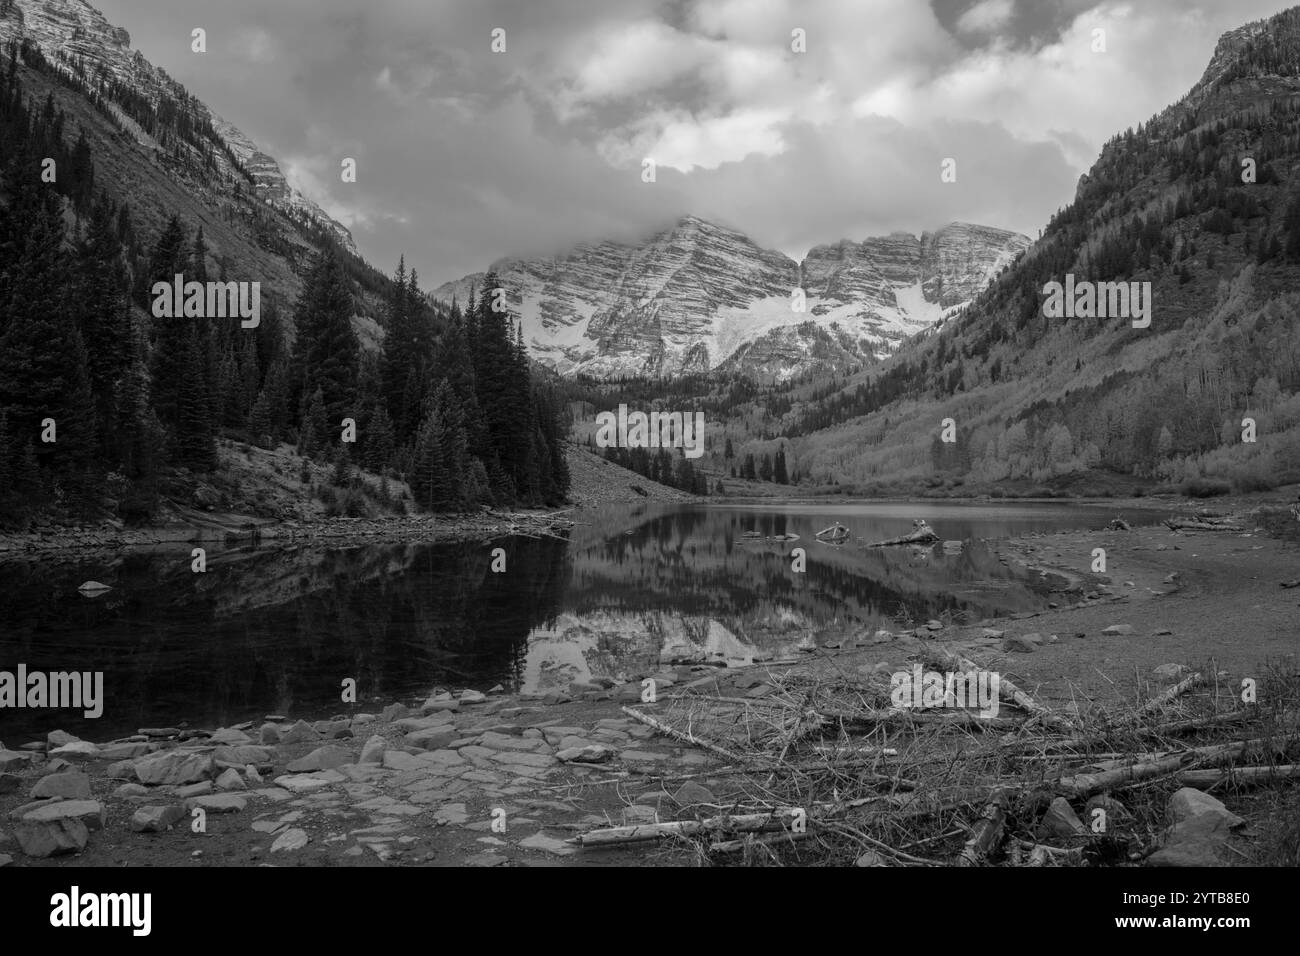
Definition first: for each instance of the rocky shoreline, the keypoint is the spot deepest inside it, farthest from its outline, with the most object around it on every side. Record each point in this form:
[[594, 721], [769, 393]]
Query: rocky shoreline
[[488, 779]]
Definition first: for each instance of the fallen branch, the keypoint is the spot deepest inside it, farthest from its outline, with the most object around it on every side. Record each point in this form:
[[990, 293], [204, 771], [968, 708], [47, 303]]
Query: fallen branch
[[1182, 687], [1006, 688], [1238, 776], [679, 735], [741, 823]]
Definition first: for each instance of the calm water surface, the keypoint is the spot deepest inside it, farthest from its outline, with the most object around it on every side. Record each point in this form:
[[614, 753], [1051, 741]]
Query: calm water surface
[[276, 630]]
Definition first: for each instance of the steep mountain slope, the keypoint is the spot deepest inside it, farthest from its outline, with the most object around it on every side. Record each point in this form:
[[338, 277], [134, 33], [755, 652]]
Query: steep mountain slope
[[79, 37], [156, 148], [698, 296], [1203, 203]]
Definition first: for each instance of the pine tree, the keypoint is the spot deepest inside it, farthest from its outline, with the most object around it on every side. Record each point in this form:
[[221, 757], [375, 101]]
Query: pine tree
[[194, 444], [171, 335], [327, 351], [101, 310], [42, 359], [312, 435]]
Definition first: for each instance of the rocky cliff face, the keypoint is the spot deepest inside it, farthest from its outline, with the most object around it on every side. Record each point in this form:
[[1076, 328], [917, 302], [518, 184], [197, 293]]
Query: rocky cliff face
[[78, 38], [698, 296]]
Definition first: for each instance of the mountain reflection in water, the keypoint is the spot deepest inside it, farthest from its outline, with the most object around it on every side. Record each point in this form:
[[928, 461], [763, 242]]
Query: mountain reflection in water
[[278, 630]]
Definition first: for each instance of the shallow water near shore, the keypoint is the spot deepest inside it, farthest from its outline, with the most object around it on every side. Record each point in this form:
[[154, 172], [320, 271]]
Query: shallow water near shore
[[278, 629]]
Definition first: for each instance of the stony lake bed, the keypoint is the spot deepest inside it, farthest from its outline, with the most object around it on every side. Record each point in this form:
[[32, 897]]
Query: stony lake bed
[[466, 777]]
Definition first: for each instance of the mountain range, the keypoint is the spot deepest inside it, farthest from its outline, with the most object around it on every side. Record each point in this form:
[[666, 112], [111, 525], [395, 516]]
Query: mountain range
[[1202, 201], [698, 296]]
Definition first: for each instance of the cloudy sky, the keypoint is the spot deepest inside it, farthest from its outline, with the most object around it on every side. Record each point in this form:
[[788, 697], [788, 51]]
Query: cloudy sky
[[465, 155]]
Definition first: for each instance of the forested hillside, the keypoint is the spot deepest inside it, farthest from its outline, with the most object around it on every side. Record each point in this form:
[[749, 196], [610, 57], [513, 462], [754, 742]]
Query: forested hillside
[[1203, 202], [107, 411]]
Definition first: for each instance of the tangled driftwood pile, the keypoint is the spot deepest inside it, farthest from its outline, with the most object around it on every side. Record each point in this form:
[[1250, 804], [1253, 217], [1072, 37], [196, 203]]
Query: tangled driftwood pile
[[828, 771]]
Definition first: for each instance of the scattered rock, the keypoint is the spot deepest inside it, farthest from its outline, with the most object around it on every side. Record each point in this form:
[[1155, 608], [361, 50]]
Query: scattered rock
[[434, 704], [322, 758], [539, 841], [46, 838], [156, 819], [1199, 841], [304, 783], [230, 779], [219, 803], [123, 751], [69, 786], [432, 738], [173, 767], [226, 735], [241, 755], [269, 734], [77, 750], [594, 753], [394, 712], [301, 732], [1188, 803], [1019, 645], [89, 812], [1060, 821], [373, 750], [1118, 630], [290, 840]]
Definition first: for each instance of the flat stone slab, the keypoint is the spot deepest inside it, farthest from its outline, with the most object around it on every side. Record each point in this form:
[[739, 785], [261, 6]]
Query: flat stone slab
[[245, 754], [303, 782], [516, 759], [441, 758], [452, 813], [410, 724], [290, 840], [219, 802], [495, 741], [539, 841], [173, 767], [77, 750], [90, 813]]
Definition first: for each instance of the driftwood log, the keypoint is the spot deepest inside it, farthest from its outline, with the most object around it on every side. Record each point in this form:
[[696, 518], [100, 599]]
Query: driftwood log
[[924, 536]]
